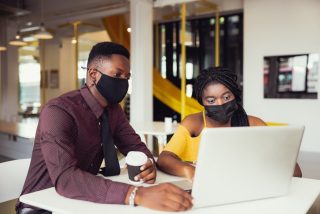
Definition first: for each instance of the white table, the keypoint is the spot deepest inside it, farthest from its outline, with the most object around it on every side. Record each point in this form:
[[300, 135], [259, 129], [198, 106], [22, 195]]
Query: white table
[[18, 130], [156, 129], [302, 194], [16, 139]]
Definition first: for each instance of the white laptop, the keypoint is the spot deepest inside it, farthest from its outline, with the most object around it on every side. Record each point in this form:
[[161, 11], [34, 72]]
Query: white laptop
[[245, 163]]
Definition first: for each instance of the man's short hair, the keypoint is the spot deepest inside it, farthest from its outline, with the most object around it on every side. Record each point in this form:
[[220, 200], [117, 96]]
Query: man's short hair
[[106, 49]]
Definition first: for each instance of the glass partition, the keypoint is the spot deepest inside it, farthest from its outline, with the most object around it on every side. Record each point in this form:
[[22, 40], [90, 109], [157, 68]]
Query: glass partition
[[200, 52]]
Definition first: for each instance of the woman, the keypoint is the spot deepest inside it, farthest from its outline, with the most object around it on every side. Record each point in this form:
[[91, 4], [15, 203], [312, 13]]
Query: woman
[[216, 89]]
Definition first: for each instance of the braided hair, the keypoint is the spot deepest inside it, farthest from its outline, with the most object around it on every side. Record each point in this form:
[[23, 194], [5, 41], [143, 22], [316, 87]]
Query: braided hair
[[228, 79]]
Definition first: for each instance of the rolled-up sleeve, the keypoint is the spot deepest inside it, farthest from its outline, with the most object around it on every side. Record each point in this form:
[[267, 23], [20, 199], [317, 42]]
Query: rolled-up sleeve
[[58, 134]]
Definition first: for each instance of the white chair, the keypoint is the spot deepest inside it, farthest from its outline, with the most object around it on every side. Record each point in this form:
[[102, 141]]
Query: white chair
[[13, 175]]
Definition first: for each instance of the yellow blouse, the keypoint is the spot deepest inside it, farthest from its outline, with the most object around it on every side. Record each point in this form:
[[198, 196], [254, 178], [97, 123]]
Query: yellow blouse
[[183, 145]]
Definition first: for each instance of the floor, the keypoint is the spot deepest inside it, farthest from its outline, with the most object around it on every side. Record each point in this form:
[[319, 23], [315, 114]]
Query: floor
[[4, 159]]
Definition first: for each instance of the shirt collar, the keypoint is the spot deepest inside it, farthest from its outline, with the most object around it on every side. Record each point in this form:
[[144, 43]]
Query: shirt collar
[[94, 105]]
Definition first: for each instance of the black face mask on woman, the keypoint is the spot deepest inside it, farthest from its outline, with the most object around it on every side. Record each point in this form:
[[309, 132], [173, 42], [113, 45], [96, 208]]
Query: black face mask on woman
[[112, 89], [222, 113]]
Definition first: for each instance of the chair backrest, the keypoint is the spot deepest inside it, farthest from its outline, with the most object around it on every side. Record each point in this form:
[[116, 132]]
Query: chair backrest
[[276, 124], [13, 175]]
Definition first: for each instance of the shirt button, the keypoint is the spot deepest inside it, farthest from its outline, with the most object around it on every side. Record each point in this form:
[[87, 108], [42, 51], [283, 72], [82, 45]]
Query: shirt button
[[99, 124]]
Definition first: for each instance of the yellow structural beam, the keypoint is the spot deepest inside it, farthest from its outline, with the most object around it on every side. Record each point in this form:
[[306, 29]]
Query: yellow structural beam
[[209, 5], [170, 95], [183, 59], [276, 124], [217, 38], [42, 71], [116, 27], [76, 50], [156, 46]]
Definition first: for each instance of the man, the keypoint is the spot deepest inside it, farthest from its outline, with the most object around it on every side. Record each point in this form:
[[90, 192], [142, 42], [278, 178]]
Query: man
[[71, 138]]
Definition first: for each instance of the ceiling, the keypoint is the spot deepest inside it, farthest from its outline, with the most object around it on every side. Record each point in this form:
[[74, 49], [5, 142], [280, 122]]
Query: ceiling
[[59, 12], [12, 8], [58, 16]]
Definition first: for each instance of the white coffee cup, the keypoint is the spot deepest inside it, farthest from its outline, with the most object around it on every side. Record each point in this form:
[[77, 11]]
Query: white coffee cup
[[168, 124], [135, 160]]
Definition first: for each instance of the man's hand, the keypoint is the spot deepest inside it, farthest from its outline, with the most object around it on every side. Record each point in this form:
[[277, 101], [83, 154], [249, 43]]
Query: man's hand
[[166, 197], [148, 173], [297, 171]]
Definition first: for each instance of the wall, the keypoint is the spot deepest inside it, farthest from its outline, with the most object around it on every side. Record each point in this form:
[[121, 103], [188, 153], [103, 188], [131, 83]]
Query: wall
[[3, 59], [9, 78], [59, 55], [273, 28], [227, 5], [141, 100], [67, 58]]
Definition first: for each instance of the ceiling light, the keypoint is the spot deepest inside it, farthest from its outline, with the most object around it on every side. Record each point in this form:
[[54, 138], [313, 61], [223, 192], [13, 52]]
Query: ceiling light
[[43, 33], [74, 40], [17, 41], [2, 48], [29, 48], [29, 39]]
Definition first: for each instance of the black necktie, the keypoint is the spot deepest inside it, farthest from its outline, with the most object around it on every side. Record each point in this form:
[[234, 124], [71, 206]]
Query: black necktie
[[109, 151]]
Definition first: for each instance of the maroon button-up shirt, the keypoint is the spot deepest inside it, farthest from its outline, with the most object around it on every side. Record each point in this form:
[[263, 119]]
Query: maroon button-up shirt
[[67, 151]]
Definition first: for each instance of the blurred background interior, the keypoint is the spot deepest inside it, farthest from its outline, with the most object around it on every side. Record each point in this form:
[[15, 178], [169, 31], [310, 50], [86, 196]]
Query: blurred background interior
[[273, 48]]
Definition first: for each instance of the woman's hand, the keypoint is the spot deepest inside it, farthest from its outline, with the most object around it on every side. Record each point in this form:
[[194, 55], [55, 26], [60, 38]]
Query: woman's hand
[[189, 172]]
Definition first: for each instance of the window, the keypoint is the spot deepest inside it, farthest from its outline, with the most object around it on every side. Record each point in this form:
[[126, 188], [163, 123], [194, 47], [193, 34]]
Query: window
[[291, 76], [29, 80]]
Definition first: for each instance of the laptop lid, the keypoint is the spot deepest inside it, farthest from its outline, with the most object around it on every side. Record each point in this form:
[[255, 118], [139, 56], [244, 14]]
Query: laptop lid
[[245, 163]]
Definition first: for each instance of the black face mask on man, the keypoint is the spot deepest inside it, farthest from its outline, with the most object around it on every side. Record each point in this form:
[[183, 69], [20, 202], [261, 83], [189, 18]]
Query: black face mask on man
[[112, 89], [222, 113]]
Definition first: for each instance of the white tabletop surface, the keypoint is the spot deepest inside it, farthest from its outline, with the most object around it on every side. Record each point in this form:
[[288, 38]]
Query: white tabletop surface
[[23, 130], [302, 194], [153, 128]]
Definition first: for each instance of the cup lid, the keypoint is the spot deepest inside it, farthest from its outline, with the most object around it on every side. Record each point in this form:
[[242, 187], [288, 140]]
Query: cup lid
[[136, 158]]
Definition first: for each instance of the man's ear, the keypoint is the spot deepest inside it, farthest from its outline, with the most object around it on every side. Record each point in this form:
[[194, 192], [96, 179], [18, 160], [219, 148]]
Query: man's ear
[[92, 73]]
